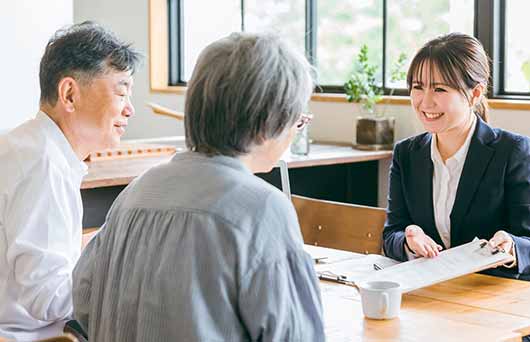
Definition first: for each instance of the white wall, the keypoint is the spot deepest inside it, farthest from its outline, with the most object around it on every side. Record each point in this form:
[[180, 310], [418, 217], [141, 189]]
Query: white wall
[[25, 28]]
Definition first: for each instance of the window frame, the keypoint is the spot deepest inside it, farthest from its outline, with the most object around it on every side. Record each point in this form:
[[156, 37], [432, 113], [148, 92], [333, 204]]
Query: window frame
[[175, 12], [489, 30], [501, 58]]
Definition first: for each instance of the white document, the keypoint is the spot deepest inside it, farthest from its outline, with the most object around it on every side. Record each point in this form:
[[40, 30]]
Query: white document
[[329, 255], [451, 263], [354, 269]]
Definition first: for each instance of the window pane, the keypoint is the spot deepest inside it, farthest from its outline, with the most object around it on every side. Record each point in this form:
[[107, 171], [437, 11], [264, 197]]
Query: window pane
[[283, 17], [343, 27], [411, 23], [204, 22], [517, 51]]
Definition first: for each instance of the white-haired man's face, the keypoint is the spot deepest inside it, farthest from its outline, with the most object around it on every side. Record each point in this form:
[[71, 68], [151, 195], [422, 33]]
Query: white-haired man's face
[[100, 110]]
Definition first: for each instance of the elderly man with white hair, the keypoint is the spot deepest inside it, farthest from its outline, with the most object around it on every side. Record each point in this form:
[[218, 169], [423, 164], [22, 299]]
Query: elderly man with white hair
[[200, 249]]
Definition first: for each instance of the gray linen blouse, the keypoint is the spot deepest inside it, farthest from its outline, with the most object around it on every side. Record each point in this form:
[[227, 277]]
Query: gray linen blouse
[[198, 249]]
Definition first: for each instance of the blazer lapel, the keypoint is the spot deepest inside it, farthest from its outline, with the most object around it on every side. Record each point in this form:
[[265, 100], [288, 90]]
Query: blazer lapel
[[478, 158], [421, 181]]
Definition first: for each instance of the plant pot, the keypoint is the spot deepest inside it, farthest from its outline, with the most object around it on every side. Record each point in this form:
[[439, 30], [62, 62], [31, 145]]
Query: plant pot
[[375, 134]]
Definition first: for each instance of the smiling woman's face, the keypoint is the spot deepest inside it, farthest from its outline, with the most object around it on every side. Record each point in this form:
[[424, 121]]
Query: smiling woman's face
[[439, 107], [104, 107]]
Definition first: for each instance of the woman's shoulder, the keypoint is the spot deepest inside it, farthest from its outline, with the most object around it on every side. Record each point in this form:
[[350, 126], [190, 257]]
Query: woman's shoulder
[[510, 141], [506, 135], [413, 143]]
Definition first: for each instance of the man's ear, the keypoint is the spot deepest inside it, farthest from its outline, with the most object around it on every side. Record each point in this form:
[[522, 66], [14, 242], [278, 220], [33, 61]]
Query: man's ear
[[68, 92], [477, 93]]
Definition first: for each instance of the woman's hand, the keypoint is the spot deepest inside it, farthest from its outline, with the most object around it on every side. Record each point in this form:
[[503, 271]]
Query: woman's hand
[[502, 241], [421, 244]]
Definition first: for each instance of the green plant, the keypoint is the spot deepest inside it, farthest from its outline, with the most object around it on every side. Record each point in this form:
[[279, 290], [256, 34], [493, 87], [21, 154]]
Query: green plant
[[397, 73], [362, 86]]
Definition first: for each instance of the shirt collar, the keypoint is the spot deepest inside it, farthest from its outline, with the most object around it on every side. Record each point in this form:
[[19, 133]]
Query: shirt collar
[[460, 155], [57, 136], [232, 162]]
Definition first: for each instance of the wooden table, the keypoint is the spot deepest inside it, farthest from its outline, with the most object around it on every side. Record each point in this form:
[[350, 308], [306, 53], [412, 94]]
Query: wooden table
[[470, 308]]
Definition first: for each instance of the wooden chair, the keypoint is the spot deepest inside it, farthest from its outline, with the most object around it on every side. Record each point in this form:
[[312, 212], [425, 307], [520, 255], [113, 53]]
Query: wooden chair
[[62, 338], [349, 227], [88, 234]]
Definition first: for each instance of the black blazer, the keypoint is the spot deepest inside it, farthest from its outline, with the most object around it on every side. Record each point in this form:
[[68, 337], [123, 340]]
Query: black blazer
[[493, 194]]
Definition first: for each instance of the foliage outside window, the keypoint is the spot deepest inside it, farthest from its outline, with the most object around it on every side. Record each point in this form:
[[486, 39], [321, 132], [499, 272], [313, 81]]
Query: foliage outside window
[[517, 49]]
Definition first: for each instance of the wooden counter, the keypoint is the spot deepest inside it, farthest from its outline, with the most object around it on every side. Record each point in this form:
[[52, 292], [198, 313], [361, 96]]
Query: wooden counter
[[122, 172]]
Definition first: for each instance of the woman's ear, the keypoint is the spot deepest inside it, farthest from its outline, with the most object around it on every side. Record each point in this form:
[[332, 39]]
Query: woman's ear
[[476, 94]]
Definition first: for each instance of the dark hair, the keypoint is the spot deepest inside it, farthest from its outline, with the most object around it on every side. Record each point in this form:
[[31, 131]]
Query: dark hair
[[82, 51], [245, 88], [461, 61]]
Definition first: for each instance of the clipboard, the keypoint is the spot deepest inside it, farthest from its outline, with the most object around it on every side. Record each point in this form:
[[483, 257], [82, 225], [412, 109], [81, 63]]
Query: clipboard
[[471, 257]]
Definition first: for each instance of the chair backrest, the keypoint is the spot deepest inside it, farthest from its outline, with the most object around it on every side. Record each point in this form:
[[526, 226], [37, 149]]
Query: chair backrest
[[349, 227]]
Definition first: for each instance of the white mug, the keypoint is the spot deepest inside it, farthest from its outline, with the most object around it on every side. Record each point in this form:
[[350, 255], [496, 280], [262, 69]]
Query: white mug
[[380, 299]]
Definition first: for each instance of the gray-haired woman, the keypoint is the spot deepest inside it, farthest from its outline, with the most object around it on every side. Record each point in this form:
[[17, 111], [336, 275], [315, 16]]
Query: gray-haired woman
[[200, 249]]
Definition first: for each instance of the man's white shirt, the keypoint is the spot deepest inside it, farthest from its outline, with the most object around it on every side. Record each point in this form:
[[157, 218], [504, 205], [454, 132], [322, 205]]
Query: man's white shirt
[[40, 229]]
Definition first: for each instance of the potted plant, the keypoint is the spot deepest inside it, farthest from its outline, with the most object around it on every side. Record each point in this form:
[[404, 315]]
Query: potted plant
[[374, 130]]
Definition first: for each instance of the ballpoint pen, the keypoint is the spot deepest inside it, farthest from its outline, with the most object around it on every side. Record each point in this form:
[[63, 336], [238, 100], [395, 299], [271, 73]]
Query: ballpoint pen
[[495, 249], [335, 278]]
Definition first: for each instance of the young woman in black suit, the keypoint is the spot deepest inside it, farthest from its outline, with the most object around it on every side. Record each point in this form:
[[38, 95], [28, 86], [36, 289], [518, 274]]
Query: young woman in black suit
[[462, 178]]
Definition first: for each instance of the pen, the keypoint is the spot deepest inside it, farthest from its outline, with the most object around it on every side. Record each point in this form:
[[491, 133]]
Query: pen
[[495, 250], [320, 259], [334, 278], [377, 267]]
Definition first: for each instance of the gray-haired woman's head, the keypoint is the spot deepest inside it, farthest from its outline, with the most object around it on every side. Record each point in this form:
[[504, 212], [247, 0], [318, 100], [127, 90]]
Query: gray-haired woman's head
[[245, 88]]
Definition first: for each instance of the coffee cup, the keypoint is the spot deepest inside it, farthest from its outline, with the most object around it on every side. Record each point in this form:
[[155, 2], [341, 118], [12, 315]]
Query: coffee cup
[[380, 299]]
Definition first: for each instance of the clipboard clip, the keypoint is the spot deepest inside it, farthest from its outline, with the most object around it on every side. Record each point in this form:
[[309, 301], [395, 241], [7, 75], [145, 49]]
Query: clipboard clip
[[495, 250]]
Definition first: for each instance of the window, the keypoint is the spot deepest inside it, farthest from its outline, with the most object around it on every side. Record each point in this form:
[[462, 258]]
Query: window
[[196, 28], [331, 32], [197, 32], [287, 17], [516, 48], [342, 27], [411, 23]]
